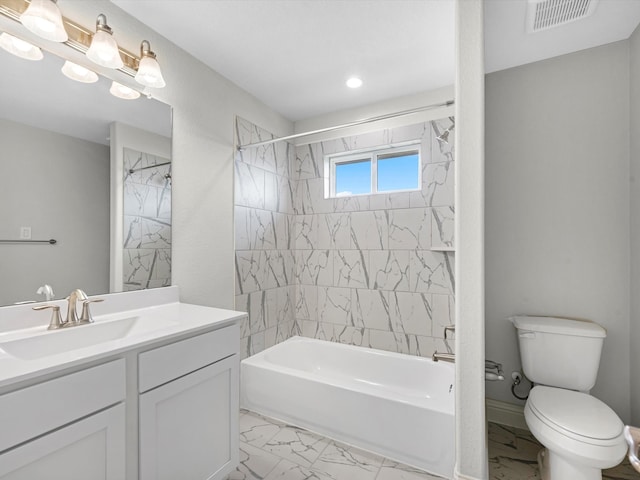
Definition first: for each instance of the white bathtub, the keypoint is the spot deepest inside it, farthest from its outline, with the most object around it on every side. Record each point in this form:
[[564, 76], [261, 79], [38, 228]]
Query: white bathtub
[[398, 406]]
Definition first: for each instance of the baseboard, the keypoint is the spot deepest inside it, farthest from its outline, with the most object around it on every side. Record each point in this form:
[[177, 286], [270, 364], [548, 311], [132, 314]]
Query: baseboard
[[505, 413], [459, 476]]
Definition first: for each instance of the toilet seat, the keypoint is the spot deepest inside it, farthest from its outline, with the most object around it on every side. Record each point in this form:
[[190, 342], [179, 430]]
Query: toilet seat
[[569, 423], [577, 415]]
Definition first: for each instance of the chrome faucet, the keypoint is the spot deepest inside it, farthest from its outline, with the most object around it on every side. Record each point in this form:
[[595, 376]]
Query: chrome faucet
[[445, 357], [72, 309]]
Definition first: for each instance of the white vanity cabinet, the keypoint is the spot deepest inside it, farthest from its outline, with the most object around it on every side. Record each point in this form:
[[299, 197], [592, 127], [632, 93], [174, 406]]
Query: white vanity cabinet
[[71, 427], [188, 408], [150, 391]]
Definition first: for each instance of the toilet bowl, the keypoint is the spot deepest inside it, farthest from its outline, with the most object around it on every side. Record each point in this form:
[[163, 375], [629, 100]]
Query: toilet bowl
[[581, 434]]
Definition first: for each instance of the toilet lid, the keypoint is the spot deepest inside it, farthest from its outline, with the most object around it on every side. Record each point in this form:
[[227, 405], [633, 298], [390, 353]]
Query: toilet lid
[[575, 412]]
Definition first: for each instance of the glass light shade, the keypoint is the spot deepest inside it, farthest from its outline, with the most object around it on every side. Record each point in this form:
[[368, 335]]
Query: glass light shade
[[43, 18], [79, 73], [19, 47], [149, 73], [122, 91], [104, 50]]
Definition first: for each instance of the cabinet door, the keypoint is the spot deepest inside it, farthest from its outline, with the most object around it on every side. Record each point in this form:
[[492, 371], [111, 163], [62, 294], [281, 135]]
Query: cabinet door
[[189, 427], [89, 449]]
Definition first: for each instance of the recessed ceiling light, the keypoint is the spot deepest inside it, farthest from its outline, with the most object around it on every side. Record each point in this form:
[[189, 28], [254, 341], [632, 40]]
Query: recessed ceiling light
[[354, 82]]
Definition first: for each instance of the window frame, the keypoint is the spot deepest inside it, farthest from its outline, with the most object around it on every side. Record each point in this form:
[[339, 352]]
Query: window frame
[[371, 155]]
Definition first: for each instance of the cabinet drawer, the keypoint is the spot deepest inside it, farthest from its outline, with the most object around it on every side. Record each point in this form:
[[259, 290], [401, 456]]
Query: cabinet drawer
[[33, 411], [164, 364]]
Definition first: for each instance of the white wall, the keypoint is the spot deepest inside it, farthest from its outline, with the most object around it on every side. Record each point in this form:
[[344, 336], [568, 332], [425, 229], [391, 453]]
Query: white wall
[[204, 108], [557, 205], [73, 176], [394, 105], [634, 129]]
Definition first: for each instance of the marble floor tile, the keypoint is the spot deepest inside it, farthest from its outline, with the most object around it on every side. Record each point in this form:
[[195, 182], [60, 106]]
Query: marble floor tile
[[343, 462], [391, 470], [270, 450], [296, 445], [256, 430], [623, 471], [255, 464], [513, 456], [286, 470]]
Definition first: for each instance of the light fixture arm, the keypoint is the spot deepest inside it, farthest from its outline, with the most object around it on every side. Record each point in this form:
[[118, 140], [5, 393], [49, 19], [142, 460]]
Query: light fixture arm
[[79, 36], [101, 24], [145, 50]]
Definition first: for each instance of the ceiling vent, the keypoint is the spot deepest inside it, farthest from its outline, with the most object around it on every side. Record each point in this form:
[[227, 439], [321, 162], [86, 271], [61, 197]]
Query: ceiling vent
[[545, 14]]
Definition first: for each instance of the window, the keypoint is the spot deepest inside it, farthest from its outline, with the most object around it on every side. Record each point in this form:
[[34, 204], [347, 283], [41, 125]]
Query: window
[[384, 170]]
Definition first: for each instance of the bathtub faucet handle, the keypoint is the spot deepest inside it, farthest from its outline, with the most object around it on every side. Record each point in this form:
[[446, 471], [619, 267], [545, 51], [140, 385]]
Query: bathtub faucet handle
[[449, 328]]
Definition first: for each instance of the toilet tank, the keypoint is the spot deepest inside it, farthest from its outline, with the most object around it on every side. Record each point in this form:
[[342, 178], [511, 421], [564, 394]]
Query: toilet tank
[[560, 352]]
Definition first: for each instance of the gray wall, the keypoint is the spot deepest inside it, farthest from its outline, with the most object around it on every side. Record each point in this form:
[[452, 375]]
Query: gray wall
[[557, 205], [634, 56], [59, 186]]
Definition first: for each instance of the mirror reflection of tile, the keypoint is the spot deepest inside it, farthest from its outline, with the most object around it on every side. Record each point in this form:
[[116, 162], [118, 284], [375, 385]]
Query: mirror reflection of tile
[[147, 221]]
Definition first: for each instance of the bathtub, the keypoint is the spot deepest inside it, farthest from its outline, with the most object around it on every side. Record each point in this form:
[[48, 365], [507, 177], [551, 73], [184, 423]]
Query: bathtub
[[394, 405]]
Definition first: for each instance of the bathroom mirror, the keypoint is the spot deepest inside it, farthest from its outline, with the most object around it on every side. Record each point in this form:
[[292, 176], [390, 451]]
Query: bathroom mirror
[[55, 173]]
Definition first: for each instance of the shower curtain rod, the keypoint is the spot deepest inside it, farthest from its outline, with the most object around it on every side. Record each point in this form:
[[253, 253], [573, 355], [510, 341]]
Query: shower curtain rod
[[133, 170], [346, 125]]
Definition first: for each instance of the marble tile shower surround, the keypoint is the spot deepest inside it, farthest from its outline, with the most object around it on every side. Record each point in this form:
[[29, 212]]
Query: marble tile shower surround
[[264, 263], [147, 222], [361, 268]]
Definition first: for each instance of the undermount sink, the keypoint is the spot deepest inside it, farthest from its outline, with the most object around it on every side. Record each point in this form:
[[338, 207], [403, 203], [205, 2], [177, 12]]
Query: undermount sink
[[73, 338]]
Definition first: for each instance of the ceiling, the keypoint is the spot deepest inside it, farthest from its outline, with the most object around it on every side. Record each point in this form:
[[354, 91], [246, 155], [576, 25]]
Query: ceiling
[[295, 55]]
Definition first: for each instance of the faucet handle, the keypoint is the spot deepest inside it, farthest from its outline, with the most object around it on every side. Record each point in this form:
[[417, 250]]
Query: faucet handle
[[85, 316], [449, 328], [56, 320]]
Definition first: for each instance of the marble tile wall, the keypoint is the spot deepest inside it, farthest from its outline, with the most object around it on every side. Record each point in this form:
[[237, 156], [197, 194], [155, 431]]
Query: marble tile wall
[[264, 215], [365, 270], [147, 221], [360, 270]]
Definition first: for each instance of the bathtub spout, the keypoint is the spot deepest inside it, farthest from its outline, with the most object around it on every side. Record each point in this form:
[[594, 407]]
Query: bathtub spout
[[445, 357]]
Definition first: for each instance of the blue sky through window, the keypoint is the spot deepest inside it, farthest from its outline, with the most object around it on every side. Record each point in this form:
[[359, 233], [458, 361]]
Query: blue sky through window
[[398, 173], [353, 178]]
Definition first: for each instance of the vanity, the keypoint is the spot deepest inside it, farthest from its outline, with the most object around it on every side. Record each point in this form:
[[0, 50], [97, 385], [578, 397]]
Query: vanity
[[147, 391]]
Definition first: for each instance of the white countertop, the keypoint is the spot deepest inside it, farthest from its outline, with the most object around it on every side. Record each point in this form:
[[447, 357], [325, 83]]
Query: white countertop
[[161, 306]]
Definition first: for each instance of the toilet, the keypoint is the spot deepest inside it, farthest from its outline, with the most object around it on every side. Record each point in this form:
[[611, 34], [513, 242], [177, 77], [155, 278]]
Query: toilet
[[581, 435]]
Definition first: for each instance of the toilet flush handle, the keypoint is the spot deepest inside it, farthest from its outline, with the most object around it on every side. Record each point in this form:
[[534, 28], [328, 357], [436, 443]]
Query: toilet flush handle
[[527, 334]]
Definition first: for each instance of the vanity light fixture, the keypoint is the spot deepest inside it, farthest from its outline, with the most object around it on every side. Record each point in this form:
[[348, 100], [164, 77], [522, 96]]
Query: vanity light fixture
[[149, 73], [79, 73], [43, 18], [104, 49], [122, 91], [19, 47], [354, 82]]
